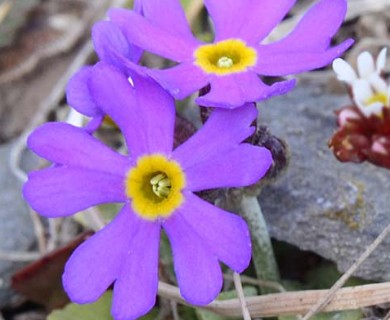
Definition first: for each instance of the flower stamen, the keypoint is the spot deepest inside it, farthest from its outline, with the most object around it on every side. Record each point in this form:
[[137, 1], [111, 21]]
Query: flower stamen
[[155, 186], [225, 57], [224, 62], [161, 185]]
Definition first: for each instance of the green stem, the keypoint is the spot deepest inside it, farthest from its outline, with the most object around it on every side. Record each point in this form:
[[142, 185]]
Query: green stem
[[262, 251]]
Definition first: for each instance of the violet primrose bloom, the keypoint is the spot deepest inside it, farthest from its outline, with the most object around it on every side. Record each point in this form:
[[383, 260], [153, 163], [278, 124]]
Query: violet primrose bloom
[[107, 38], [231, 65], [156, 185]]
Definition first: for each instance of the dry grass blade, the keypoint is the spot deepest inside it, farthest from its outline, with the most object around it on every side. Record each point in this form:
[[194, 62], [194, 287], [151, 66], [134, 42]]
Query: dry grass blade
[[19, 256], [5, 7], [292, 303], [332, 291], [241, 296]]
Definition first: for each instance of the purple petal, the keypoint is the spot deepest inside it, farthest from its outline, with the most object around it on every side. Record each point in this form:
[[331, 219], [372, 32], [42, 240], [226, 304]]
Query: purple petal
[[151, 37], [67, 145], [197, 269], [136, 287], [280, 63], [238, 167], [173, 19], [249, 20], [138, 6], [224, 93], [305, 48], [145, 114], [316, 28], [96, 263], [61, 191], [261, 17], [181, 80], [78, 94], [107, 39], [227, 16], [94, 124], [222, 131], [236, 89], [225, 233]]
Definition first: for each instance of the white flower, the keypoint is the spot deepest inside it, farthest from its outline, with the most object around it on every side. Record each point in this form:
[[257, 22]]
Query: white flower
[[365, 65], [371, 97], [370, 91]]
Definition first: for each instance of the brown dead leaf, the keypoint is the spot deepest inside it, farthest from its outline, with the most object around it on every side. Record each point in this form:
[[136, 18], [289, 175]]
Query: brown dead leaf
[[41, 281]]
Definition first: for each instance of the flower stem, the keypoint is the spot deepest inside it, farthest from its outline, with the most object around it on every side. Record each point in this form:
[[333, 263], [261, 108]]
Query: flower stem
[[262, 251]]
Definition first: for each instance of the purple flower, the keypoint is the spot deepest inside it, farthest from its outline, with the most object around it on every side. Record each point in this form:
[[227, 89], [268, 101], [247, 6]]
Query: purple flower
[[156, 185], [232, 63], [107, 39]]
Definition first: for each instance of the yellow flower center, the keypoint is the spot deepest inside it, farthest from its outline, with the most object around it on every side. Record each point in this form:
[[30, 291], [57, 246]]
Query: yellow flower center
[[225, 57], [155, 186], [378, 97]]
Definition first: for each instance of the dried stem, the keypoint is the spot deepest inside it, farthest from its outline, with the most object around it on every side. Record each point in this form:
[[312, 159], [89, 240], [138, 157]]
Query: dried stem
[[291, 303], [19, 256], [241, 296], [175, 313], [332, 291], [39, 230], [275, 286]]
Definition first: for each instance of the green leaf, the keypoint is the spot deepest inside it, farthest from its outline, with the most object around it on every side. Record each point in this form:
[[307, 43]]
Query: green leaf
[[325, 275], [208, 315], [98, 310]]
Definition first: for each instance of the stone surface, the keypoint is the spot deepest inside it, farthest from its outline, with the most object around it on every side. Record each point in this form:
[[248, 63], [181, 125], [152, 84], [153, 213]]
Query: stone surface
[[331, 208], [16, 229]]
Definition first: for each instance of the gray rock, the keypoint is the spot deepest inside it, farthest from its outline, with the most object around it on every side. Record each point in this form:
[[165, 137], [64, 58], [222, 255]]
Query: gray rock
[[16, 229], [331, 208]]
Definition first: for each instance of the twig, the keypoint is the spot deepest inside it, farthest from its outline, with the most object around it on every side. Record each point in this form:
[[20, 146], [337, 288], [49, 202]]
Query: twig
[[52, 242], [175, 313], [387, 316], [164, 309], [291, 303], [19, 256], [5, 7], [332, 291], [258, 282], [241, 296], [39, 230]]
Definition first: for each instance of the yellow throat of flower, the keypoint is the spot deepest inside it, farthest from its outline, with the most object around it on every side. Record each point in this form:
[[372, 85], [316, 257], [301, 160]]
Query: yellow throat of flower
[[155, 186], [381, 97], [225, 57]]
